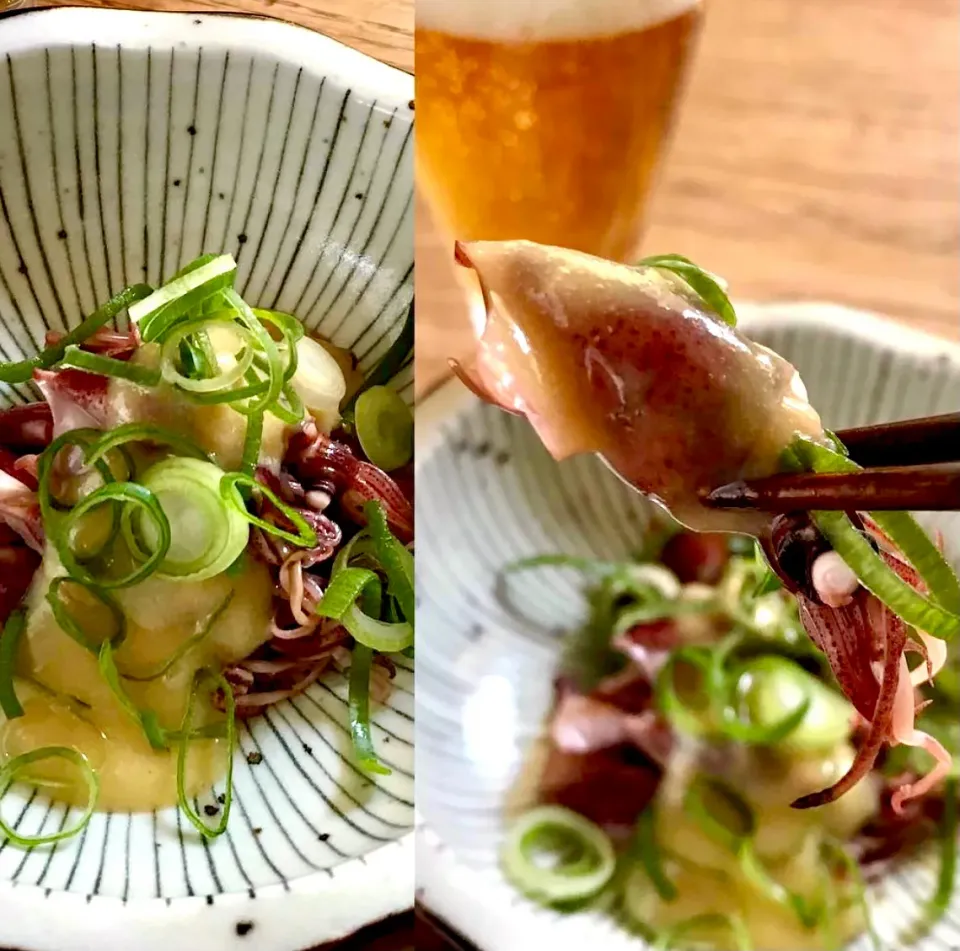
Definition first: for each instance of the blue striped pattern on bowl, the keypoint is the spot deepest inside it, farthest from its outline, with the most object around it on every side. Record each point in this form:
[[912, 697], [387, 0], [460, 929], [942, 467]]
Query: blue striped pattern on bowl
[[129, 144], [487, 651]]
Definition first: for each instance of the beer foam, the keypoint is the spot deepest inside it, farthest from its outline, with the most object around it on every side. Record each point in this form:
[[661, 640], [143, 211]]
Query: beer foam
[[530, 20]]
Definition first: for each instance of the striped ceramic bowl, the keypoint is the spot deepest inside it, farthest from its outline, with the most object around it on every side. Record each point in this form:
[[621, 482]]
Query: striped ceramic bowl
[[486, 654], [129, 144]]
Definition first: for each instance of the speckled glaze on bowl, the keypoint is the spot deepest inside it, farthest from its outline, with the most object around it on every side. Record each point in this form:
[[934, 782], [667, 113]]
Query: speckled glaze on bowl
[[485, 665], [129, 144]]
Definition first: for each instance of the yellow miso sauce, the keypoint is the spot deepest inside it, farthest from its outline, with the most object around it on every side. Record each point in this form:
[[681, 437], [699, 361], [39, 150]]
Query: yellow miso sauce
[[67, 702], [65, 698]]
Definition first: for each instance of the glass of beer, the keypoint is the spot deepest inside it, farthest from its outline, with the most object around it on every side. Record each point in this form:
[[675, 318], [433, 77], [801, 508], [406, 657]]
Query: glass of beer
[[547, 119]]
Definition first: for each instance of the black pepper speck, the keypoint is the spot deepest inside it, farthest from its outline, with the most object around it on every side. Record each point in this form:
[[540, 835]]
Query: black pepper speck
[[210, 809], [244, 928], [254, 759], [176, 183], [62, 234], [192, 129], [242, 238]]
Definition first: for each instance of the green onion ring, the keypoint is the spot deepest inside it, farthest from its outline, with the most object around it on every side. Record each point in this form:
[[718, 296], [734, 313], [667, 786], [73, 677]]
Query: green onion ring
[[359, 711], [696, 806], [142, 432], [111, 367], [9, 646], [587, 858], [940, 619], [339, 603], [129, 493], [49, 505], [8, 776], [843, 858], [70, 627], [22, 370], [221, 381], [147, 719], [669, 702], [394, 558], [267, 345], [186, 733], [754, 872], [651, 857], [671, 939], [306, 537]]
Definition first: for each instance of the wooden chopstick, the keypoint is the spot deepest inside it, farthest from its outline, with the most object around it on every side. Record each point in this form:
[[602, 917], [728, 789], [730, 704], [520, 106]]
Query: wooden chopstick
[[921, 488], [914, 464], [930, 439]]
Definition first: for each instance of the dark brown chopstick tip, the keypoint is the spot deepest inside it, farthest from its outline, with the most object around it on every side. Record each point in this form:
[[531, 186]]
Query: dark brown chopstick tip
[[733, 495]]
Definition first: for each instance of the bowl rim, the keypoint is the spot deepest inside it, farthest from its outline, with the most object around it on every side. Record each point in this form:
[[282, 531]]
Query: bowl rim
[[285, 915], [496, 918], [367, 77]]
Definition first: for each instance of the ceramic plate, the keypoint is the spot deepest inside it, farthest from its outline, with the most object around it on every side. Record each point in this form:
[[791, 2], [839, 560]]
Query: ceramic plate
[[129, 144], [486, 655]]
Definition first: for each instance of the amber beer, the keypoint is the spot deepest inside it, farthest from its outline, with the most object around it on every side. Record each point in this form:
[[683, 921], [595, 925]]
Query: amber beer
[[546, 119]]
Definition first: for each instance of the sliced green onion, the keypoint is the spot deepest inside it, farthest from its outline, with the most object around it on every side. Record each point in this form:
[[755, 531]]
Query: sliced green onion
[[275, 369], [306, 537], [10, 772], [130, 494], [882, 581], [721, 813], [156, 314], [394, 558], [206, 534], [756, 873], [384, 426], [846, 861], [147, 719], [339, 603], [675, 937], [651, 858], [196, 263], [50, 506], [186, 733], [359, 703], [797, 709], [22, 370], [186, 645], [252, 441], [9, 647], [289, 407], [391, 361], [70, 625], [360, 548], [902, 528], [220, 380], [913, 542], [703, 283], [553, 855], [109, 366], [696, 722], [141, 432]]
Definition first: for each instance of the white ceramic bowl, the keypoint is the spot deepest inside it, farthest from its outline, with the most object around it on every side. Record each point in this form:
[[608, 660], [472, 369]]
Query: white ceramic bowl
[[129, 144], [484, 668]]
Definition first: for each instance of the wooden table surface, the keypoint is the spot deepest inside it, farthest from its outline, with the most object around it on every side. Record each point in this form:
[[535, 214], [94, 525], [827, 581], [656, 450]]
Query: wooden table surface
[[817, 157]]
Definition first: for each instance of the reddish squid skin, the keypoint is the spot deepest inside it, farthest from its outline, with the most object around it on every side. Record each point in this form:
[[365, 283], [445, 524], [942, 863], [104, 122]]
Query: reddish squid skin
[[628, 362]]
